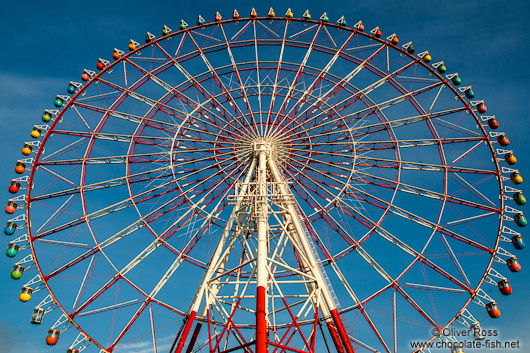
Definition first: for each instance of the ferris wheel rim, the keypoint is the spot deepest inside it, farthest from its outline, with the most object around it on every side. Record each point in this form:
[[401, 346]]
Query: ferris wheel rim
[[68, 104]]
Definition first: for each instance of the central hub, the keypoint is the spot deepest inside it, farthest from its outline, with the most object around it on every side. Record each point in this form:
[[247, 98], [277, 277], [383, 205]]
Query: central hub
[[272, 147], [261, 145]]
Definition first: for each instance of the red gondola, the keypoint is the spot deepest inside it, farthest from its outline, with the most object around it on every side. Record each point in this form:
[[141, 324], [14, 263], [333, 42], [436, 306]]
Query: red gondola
[[493, 310], [513, 264], [504, 287], [52, 337]]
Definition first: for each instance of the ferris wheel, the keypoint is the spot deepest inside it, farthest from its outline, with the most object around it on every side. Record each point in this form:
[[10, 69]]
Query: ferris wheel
[[264, 184]]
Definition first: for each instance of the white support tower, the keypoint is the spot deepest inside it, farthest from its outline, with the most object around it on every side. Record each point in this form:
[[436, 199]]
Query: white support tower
[[264, 282]]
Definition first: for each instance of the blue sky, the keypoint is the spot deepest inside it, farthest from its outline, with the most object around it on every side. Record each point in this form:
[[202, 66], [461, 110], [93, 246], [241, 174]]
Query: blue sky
[[48, 44]]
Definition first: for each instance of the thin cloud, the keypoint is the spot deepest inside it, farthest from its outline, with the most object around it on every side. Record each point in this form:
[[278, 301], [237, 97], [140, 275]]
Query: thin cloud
[[163, 345], [16, 89]]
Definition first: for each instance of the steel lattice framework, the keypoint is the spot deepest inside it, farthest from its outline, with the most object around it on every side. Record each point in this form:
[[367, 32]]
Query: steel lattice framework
[[265, 185]]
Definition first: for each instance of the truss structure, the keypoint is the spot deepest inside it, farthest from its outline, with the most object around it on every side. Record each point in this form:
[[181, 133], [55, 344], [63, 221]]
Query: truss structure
[[265, 285]]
